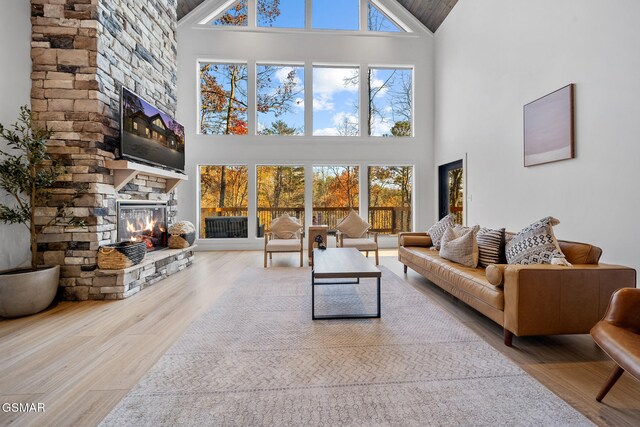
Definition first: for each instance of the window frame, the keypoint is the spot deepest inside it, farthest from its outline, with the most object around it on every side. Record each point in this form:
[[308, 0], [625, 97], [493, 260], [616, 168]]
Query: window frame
[[413, 99], [413, 193]]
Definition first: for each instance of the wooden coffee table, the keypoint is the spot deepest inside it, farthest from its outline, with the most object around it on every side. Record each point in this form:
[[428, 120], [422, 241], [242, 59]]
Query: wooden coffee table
[[342, 263]]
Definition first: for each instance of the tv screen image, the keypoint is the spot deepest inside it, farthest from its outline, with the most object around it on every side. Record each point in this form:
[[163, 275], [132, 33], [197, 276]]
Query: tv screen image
[[150, 135]]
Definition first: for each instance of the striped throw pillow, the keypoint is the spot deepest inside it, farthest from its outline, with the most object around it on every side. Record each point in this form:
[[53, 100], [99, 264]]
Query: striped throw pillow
[[491, 246]]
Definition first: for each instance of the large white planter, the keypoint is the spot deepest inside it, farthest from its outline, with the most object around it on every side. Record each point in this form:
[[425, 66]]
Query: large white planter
[[25, 292]]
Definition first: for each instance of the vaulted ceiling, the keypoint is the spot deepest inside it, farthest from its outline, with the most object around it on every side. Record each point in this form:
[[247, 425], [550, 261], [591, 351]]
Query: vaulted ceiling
[[430, 12]]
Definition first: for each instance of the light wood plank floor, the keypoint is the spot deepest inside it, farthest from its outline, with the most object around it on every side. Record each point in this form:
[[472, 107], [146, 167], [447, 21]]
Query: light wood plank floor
[[80, 359]]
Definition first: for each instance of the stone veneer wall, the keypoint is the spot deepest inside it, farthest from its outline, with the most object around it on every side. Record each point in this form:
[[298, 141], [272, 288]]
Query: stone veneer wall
[[83, 51]]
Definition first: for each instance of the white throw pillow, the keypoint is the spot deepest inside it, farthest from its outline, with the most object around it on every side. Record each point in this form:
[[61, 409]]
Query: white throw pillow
[[285, 227], [353, 226]]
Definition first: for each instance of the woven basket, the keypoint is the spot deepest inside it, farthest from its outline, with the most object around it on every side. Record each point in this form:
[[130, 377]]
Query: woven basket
[[182, 235], [121, 255]]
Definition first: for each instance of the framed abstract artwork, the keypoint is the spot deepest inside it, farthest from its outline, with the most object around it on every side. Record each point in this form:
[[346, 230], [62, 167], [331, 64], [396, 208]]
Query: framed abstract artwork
[[549, 127]]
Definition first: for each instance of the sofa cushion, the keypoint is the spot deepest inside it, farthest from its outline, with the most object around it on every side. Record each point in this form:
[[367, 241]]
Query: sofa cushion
[[490, 246], [437, 230], [424, 241], [535, 244], [459, 244], [471, 281], [353, 225]]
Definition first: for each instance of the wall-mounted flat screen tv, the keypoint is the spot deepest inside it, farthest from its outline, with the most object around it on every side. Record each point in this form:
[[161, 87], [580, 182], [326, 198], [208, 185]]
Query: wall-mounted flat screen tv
[[148, 134]]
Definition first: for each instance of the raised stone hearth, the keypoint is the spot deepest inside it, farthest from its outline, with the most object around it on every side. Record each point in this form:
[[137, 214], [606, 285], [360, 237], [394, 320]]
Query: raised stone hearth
[[83, 52], [118, 284]]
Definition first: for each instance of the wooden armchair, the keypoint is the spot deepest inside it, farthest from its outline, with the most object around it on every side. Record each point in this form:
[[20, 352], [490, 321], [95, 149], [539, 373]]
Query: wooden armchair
[[618, 335], [286, 235]]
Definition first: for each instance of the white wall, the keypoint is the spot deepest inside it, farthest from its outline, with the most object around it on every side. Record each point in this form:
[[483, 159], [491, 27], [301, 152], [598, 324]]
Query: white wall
[[304, 47], [494, 56], [15, 87]]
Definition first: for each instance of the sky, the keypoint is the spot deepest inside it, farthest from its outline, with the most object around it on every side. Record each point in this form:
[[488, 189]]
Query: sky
[[335, 101]]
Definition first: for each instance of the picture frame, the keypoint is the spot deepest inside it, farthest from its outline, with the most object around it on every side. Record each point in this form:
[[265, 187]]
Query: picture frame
[[549, 129]]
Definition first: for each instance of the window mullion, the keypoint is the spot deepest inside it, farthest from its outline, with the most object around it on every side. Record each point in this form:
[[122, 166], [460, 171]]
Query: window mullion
[[364, 100], [252, 14], [252, 113], [308, 15], [308, 99]]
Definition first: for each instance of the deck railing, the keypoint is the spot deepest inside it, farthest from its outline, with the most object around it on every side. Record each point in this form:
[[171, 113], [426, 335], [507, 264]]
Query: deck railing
[[385, 220]]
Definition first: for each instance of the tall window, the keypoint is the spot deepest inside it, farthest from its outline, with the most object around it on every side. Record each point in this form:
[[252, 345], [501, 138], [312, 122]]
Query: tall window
[[390, 101], [223, 201], [336, 190], [223, 99], [336, 101], [280, 99], [390, 198], [280, 189], [335, 14]]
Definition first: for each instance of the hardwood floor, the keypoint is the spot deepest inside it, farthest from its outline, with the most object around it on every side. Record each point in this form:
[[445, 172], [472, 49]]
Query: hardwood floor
[[80, 359]]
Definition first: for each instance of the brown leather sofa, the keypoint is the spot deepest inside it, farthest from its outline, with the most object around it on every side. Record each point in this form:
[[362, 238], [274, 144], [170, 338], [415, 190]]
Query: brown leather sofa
[[525, 299]]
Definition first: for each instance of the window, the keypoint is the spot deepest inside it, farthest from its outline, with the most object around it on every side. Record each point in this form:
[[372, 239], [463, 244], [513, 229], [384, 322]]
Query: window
[[390, 198], [335, 192], [335, 14], [280, 189], [280, 99], [223, 99], [390, 102], [281, 13], [234, 15], [335, 101], [223, 201], [379, 21]]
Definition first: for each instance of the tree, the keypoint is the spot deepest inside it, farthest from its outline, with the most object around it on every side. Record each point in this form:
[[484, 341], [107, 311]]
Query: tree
[[279, 127], [401, 128]]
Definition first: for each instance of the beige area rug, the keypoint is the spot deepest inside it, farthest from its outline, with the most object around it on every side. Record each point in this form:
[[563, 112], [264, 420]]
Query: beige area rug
[[256, 358]]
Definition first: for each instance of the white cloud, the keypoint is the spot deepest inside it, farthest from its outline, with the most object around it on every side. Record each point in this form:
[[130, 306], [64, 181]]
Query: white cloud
[[322, 103], [327, 81], [379, 127], [326, 132], [341, 118], [376, 84]]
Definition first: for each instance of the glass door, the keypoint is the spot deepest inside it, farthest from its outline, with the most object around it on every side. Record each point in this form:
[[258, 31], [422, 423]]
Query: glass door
[[451, 190]]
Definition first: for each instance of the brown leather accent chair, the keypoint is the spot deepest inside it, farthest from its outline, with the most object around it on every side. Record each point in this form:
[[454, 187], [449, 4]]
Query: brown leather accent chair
[[618, 334]]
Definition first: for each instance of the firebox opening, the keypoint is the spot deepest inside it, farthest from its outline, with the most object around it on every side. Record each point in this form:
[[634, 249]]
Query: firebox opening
[[143, 222]]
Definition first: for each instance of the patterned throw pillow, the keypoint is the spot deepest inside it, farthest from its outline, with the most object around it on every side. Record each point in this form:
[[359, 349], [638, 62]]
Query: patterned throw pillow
[[491, 246], [535, 244], [437, 230], [458, 244], [353, 225]]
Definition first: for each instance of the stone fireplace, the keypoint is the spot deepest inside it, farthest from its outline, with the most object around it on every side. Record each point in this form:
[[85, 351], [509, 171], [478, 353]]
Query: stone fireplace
[[143, 221], [83, 52]]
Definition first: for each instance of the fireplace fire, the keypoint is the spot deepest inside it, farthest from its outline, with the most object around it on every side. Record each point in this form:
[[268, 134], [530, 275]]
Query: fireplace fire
[[143, 221]]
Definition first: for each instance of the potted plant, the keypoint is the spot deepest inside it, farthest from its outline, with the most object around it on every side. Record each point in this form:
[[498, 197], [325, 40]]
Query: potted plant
[[26, 172]]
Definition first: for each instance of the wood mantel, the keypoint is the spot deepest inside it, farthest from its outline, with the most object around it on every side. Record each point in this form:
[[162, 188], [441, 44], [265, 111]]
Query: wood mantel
[[124, 171]]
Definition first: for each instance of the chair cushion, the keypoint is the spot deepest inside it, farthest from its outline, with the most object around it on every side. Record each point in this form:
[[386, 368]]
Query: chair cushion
[[353, 226], [285, 227], [283, 245], [360, 244]]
